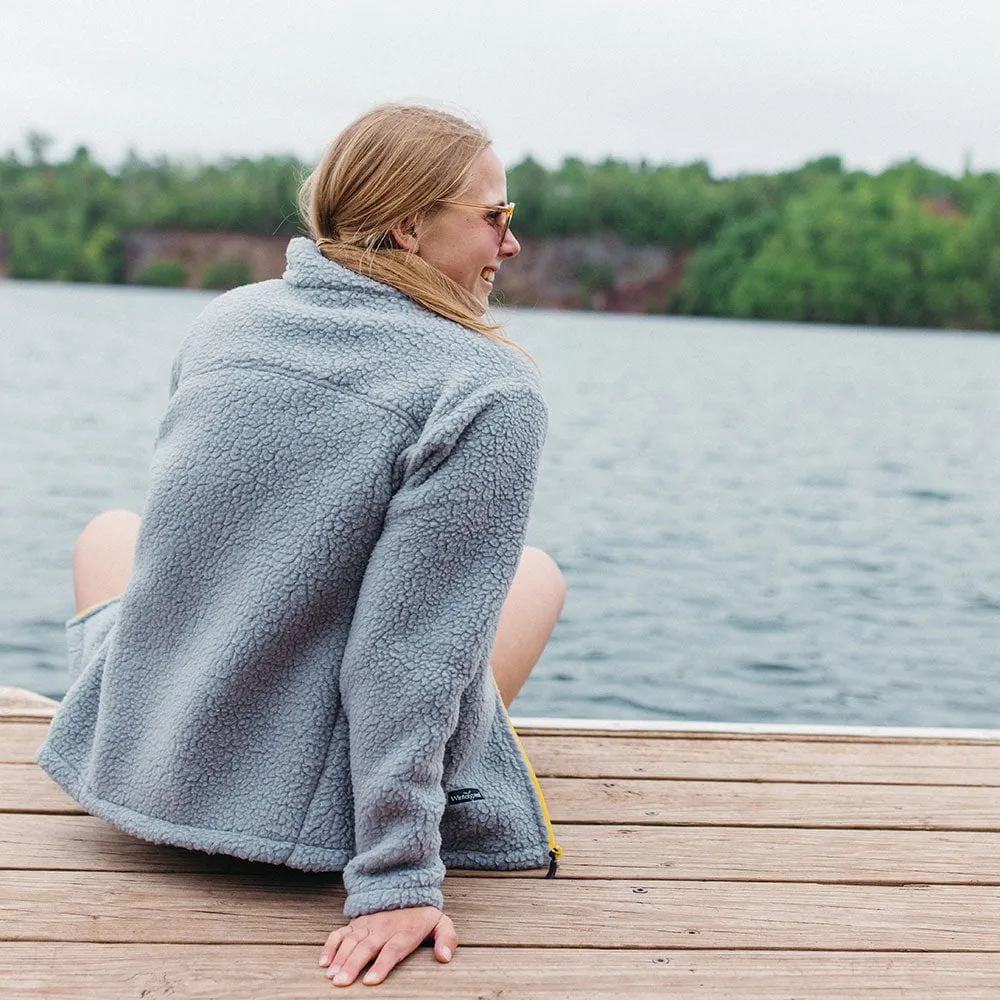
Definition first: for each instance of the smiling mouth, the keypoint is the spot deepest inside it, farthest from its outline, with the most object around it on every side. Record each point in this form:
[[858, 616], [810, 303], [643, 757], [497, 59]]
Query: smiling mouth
[[488, 274]]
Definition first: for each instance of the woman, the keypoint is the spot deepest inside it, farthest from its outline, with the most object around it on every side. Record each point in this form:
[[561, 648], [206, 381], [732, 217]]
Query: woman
[[289, 659]]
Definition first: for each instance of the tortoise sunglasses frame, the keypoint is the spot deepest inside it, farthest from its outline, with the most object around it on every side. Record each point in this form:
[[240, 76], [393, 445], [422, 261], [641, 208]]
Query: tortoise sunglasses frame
[[501, 225]]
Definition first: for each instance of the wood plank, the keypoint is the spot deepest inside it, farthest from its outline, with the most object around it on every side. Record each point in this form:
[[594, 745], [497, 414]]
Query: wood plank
[[275, 972], [875, 857], [128, 907], [40, 842], [26, 788], [709, 847], [16, 703], [20, 740], [710, 803], [702, 759], [686, 729]]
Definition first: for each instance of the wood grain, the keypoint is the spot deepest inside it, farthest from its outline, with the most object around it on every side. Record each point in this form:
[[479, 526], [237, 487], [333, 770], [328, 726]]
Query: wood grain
[[235, 909], [16, 703], [25, 788], [803, 761], [698, 864], [876, 857], [735, 803], [274, 972], [20, 740], [766, 760]]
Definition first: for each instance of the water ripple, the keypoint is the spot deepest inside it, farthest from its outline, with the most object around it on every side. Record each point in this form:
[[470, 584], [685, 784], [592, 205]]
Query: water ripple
[[939, 496], [775, 668]]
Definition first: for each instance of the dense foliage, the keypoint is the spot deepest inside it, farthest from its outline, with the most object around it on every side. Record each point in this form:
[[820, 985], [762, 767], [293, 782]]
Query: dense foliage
[[910, 246], [65, 221]]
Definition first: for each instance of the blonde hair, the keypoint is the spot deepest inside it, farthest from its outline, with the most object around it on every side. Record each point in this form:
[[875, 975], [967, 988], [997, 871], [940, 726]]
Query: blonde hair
[[396, 162]]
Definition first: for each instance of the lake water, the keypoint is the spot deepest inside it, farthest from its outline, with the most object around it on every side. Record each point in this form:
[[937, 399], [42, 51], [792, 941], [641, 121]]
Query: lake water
[[757, 522]]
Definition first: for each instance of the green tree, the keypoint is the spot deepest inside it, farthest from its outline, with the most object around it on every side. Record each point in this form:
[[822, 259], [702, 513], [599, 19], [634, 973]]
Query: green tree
[[909, 246], [164, 273]]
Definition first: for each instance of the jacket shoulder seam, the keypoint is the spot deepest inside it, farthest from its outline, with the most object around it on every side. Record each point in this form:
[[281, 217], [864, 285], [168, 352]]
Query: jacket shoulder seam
[[265, 369]]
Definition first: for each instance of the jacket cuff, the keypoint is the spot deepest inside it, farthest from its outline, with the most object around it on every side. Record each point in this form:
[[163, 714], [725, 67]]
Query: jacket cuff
[[376, 899]]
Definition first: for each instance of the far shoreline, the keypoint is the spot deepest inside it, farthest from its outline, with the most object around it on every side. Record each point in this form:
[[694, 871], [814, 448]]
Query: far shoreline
[[582, 313]]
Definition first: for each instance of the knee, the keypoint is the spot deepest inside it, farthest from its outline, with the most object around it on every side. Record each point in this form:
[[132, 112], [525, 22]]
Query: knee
[[546, 574], [111, 526], [113, 519]]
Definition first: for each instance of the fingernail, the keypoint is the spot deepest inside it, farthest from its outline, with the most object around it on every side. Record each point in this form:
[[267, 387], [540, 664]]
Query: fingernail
[[370, 979], [341, 978], [333, 970], [446, 951]]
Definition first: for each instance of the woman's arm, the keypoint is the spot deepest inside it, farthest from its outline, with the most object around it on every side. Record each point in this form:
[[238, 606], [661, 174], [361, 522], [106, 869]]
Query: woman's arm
[[424, 624]]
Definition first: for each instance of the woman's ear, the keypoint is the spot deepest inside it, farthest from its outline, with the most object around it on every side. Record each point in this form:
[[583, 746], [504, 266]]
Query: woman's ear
[[405, 235]]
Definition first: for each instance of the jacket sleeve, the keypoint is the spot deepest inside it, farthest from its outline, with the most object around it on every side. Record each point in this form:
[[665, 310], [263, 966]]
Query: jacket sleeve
[[424, 625]]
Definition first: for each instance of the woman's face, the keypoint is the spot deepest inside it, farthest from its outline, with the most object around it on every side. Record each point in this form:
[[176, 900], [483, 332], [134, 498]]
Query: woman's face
[[464, 242]]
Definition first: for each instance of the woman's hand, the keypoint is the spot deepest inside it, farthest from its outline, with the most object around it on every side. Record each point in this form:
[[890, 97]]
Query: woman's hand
[[391, 935]]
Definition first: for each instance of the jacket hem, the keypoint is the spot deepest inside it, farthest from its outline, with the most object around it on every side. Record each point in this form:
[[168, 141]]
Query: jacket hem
[[531, 857], [81, 616], [307, 857]]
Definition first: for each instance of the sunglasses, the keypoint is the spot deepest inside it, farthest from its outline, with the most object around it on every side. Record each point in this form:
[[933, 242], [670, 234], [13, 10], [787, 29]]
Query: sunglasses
[[498, 216]]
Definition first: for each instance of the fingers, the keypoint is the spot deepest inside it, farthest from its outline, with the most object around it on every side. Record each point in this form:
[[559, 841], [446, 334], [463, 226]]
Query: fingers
[[387, 937], [340, 945], [445, 939], [352, 958], [400, 945], [392, 953], [331, 946]]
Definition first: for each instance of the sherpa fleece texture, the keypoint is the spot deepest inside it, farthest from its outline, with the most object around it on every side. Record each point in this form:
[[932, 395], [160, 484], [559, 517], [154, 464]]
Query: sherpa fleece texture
[[298, 671]]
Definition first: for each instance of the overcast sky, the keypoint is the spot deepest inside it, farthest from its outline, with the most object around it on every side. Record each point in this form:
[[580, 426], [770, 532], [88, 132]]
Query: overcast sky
[[744, 85]]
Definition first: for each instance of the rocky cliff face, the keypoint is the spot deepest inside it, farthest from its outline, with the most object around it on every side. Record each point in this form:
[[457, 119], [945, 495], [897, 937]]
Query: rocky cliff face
[[590, 272], [572, 272], [264, 256]]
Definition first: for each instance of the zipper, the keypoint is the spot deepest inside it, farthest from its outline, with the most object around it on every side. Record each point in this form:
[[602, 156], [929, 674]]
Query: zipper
[[555, 851]]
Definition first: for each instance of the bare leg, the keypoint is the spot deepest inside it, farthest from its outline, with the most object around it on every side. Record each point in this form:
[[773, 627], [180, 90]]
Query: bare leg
[[102, 557], [529, 614]]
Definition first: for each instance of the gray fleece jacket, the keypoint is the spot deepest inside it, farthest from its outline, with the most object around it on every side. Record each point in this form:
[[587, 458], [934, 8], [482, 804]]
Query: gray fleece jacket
[[298, 671]]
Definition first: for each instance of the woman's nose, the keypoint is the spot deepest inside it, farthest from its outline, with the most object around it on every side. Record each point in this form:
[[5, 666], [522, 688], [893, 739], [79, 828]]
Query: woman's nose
[[510, 247]]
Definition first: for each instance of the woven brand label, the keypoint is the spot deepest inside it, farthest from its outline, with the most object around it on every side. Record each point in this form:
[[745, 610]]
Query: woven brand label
[[460, 795]]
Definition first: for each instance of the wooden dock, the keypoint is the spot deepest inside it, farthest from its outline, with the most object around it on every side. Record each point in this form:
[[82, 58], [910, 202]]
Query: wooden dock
[[697, 863]]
